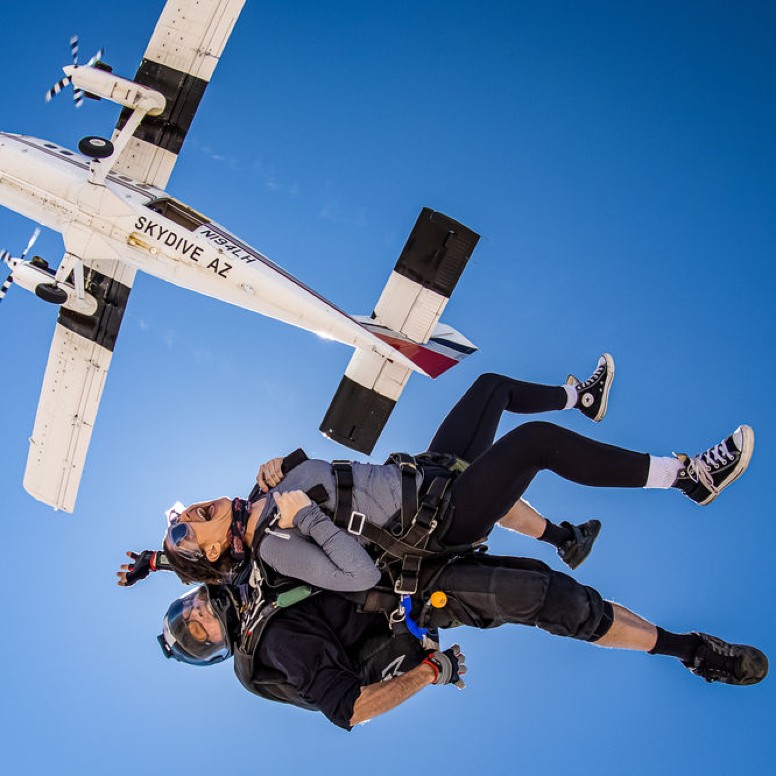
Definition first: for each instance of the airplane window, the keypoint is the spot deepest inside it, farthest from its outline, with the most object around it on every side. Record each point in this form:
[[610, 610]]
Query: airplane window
[[178, 212]]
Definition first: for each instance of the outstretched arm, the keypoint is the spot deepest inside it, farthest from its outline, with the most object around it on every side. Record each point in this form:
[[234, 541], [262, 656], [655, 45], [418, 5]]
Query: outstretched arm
[[142, 565]]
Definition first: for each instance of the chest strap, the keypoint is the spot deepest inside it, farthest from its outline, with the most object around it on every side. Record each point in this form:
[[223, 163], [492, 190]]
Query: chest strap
[[418, 521]]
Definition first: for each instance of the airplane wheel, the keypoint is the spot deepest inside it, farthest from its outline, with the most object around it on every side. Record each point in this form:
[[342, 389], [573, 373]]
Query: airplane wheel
[[51, 292], [95, 147]]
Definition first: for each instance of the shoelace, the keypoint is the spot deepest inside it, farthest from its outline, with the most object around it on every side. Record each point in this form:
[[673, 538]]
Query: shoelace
[[699, 471], [592, 379], [699, 468], [716, 660], [717, 456]]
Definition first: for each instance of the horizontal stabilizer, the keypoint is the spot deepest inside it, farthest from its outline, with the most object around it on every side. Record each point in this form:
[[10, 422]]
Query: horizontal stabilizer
[[407, 318], [357, 416], [425, 275], [364, 400]]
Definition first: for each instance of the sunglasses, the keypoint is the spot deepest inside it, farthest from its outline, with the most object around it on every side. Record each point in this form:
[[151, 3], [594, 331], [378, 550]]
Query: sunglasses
[[181, 536]]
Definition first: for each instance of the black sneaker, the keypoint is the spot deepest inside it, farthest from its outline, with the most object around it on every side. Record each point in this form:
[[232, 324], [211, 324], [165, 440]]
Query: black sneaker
[[705, 476], [575, 550], [593, 394], [717, 661]]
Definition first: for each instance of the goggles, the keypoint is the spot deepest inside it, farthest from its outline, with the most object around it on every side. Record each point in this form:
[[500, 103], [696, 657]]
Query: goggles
[[194, 631]]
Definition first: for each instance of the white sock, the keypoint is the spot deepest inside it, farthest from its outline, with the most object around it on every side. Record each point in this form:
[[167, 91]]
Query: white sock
[[663, 471], [571, 396]]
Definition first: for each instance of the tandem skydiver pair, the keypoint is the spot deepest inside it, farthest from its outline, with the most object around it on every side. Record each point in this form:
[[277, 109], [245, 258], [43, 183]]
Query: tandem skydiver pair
[[251, 551]]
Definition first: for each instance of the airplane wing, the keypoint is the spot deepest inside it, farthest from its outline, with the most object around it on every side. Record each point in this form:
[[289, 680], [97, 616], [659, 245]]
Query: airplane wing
[[179, 62], [79, 358], [406, 316]]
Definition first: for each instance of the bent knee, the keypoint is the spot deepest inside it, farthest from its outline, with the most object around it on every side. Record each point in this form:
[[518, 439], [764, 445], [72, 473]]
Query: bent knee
[[489, 382], [574, 610]]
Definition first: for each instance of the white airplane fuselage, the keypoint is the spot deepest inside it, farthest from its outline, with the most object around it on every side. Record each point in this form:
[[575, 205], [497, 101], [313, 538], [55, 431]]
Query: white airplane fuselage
[[124, 220]]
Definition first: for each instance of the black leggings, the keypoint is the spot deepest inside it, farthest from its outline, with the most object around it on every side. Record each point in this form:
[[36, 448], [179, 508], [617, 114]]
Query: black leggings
[[501, 471]]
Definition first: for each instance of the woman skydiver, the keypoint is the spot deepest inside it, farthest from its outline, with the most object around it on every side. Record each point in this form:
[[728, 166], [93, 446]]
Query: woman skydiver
[[210, 541]]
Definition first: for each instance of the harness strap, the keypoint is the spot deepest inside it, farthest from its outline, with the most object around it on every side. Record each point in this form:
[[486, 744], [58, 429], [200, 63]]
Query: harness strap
[[343, 478], [407, 581], [409, 488], [418, 521], [425, 521], [356, 524]]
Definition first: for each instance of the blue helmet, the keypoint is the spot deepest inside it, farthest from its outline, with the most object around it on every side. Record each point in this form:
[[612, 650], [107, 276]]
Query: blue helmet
[[196, 628]]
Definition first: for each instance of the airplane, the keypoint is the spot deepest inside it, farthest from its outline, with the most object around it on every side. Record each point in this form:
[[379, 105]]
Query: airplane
[[110, 205]]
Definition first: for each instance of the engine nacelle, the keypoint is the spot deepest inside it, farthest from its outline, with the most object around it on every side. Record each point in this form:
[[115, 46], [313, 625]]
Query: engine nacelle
[[36, 276], [102, 83]]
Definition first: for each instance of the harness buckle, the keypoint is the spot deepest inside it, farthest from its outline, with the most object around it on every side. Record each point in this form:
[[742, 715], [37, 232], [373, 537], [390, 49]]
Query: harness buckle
[[356, 530], [407, 581], [404, 462], [406, 586], [429, 528]]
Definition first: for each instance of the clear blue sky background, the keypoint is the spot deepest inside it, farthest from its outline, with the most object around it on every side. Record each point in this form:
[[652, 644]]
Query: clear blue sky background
[[619, 161]]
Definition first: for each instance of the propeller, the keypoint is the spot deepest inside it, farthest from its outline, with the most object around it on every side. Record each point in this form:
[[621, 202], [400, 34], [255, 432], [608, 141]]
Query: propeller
[[6, 257], [78, 95]]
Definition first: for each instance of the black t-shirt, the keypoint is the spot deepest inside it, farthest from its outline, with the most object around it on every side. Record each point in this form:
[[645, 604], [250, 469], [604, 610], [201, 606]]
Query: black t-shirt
[[327, 651]]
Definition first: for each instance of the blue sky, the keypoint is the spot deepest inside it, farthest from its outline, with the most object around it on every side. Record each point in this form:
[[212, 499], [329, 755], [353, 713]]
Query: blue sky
[[619, 161]]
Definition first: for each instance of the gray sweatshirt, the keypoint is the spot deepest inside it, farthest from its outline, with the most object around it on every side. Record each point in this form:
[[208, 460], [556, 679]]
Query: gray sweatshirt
[[315, 550]]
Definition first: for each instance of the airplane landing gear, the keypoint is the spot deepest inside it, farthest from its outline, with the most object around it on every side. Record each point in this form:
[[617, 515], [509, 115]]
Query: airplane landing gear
[[95, 147], [51, 292]]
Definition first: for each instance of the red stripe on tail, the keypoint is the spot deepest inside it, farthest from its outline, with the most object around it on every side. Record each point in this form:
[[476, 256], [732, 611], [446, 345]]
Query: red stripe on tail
[[431, 362]]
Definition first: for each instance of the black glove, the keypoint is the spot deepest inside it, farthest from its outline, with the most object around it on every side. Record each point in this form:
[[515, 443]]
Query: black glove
[[142, 565], [449, 665]]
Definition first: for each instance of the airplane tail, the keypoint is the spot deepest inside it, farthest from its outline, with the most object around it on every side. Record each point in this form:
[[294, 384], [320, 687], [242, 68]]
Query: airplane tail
[[406, 317]]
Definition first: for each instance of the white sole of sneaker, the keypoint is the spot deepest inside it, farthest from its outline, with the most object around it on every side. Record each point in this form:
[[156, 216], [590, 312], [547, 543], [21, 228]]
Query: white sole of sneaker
[[607, 386], [747, 448]]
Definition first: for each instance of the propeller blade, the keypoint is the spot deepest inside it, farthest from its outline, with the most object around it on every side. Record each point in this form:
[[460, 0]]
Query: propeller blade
[[31, 242], [78, 95], [96, 58], [56, 89], [5, 257], [4, 289]]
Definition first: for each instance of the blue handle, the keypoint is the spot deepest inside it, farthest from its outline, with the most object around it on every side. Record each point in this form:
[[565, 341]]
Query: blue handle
[[412, 626]]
